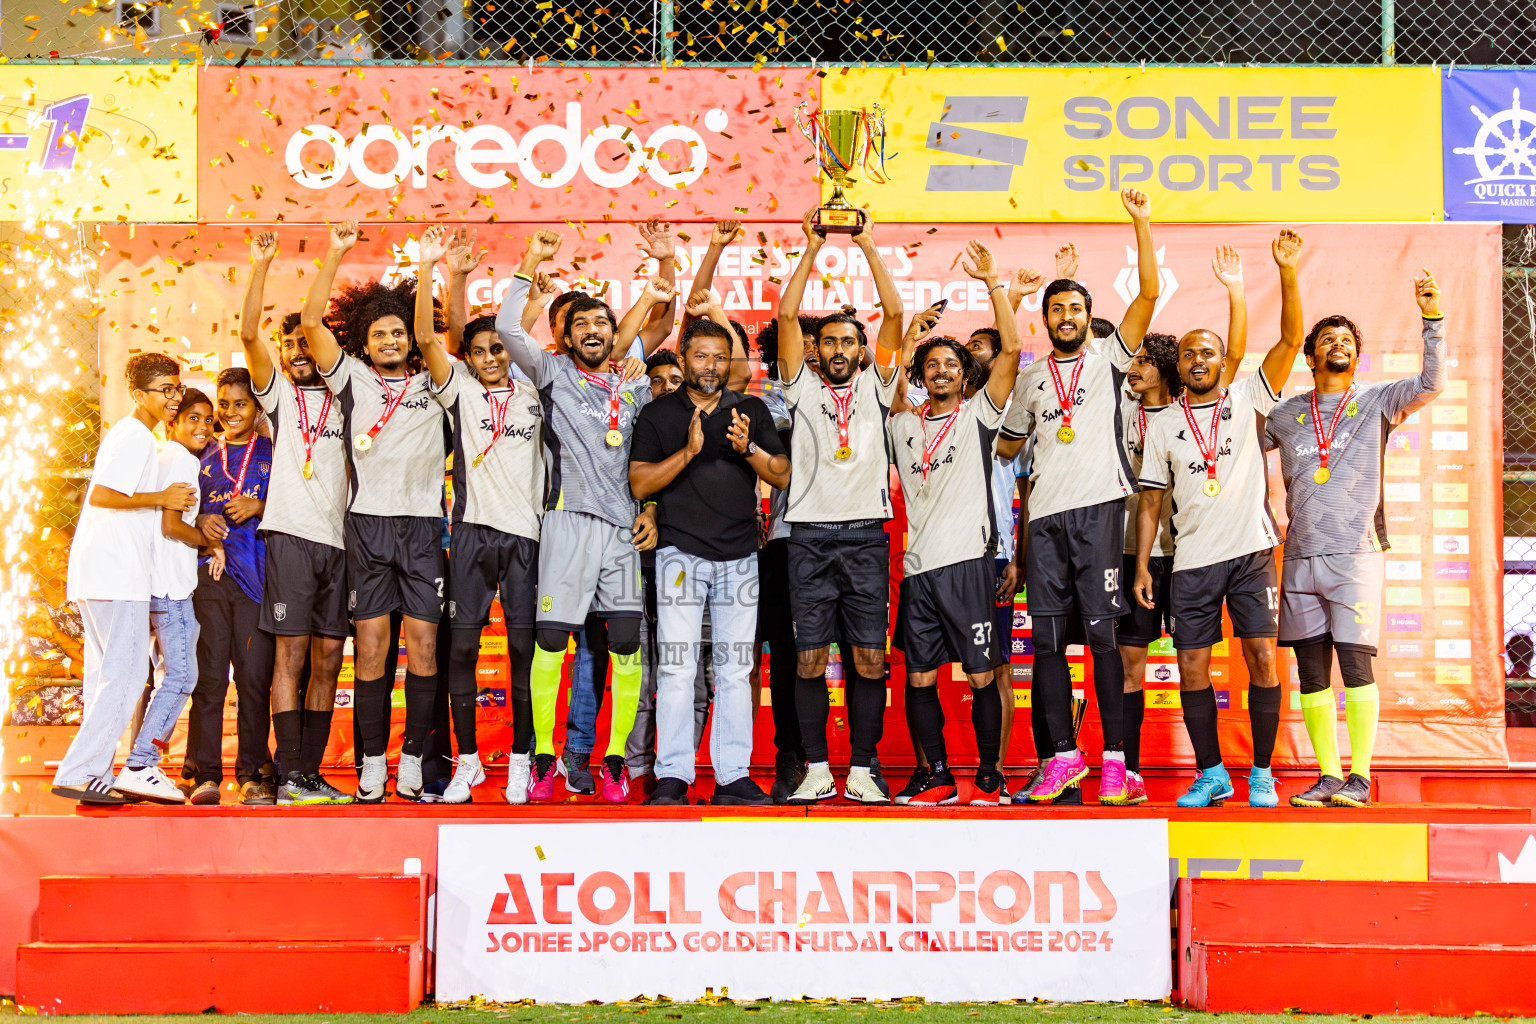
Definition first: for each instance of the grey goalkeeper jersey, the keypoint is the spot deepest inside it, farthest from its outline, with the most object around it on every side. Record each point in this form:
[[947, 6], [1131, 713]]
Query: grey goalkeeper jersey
[[1347, 514]]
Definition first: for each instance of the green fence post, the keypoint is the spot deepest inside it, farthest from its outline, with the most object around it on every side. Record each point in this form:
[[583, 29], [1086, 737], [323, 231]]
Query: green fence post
[[664, 30], [1388, 33]]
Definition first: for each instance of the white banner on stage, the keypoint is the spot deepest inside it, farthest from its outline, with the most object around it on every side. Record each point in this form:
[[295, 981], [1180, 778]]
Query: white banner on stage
[[950, 909]]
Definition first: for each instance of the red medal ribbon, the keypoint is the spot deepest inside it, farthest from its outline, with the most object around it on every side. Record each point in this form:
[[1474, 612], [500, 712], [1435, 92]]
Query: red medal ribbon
[[391, 402], [929, 447], [304, 432], [245, 460], [1141, 422], [1062, 395], [613, 393], [842, 402], [1325, 443], [498, 417], [1207, 453]]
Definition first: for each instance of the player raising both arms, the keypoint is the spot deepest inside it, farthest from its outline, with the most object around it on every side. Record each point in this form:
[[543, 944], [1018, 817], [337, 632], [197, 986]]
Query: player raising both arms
[[1208, 454], [1070, 402], [1332, 441]]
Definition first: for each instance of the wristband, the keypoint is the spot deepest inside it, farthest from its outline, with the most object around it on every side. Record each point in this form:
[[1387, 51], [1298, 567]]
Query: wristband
[[994, 288], [647, 504]]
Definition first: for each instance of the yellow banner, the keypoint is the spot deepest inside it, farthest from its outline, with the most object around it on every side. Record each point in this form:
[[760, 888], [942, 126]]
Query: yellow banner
[[1386, 853], [1212, 144], [98, 143]]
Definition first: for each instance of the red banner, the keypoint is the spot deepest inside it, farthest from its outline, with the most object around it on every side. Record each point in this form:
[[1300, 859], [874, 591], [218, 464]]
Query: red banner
[[494, 144], [1439, 668]]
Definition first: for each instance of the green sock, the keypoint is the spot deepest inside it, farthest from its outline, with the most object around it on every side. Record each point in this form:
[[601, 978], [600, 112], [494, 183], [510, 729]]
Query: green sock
[[626, 698], [1362, 707], [1317, 711], [544, 689]]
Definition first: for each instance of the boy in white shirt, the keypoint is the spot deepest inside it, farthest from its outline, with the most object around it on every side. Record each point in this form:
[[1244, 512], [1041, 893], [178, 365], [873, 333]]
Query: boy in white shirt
[[172, 578], [109, 575]]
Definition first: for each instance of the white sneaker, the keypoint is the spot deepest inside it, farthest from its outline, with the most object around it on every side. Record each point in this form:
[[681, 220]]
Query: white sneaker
[[150, 784], [408, 777], [818, 785], [375, 777], [862, 787], [518, 774], [466, 776]]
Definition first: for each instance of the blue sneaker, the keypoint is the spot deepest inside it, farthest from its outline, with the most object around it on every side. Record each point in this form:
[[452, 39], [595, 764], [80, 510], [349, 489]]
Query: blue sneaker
[[1261, 788], [1210, 789]]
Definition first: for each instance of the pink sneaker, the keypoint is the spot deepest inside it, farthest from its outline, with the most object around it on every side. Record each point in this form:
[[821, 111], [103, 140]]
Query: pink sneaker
[[1114, 790], [1061, 771], [1136, 788], [615, 780], [541, 781]]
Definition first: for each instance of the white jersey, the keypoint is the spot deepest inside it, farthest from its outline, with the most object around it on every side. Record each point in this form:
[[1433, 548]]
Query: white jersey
[[310, 507], [401, 471], [1093, 467], [1237, 520], [822, 487], [1132, 412], [505, 490]]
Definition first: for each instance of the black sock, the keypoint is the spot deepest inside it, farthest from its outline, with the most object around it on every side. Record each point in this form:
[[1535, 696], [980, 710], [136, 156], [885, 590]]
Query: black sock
[[420, 697], [987, 720], [463, 656], [1109, 689], [1133, 708], [288, 729], [1039, 728], [811, 708], [866, 717], [372, 711], [317, 736], [927, 717], [519, 692], [1200, 720], [1053, 681], [1264, 720]]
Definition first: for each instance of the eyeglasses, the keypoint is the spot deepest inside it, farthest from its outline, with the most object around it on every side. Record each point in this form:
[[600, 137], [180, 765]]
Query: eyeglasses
[[168, 391]]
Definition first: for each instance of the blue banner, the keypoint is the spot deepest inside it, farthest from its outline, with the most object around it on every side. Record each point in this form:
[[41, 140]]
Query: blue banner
[[1488, 140]]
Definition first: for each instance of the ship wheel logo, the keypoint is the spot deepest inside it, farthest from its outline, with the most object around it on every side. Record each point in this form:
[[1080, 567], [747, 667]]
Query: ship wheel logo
[[1505, 147]]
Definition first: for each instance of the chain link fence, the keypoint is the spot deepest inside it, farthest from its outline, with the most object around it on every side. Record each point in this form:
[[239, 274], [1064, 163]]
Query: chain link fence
[[1520, 474], [1001, 32]]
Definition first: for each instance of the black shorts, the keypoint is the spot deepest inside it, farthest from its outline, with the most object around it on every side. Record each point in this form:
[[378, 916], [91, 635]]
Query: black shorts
[[839, 586], [948, 614], [1073, 562], [1002, 612], [481, 560], [395, 563], [305, 590], [773, 616], [1251, 590], [1142, 627]]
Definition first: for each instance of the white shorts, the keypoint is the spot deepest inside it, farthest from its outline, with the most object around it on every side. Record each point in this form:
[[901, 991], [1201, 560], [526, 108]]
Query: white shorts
[[1336, 596]]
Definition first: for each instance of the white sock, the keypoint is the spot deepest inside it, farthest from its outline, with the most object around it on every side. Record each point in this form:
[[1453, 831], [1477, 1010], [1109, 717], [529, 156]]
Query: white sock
[[1115, 755], [823, 765]]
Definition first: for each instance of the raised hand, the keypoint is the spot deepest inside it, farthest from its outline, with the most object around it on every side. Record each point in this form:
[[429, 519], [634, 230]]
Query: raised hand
[[1427, 293], [1137, 204], [433, 245], [1228, 266], [264, 247], [979, 263], [544, 244], [659, 290], [343, 236], [866, 234], [700, 303], [1066, 261], [656, 239], [463, 259], [922, 323], [1287, 249], [1026, 281], [725, 232], [813, 238]]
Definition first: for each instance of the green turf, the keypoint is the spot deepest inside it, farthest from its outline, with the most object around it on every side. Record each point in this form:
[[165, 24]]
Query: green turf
[[740, 1012]]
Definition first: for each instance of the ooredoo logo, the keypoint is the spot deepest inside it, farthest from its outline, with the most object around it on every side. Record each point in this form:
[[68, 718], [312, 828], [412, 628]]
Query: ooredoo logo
[[489, 156]]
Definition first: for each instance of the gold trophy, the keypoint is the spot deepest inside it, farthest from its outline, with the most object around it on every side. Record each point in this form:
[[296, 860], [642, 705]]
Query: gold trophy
[[845, 141]]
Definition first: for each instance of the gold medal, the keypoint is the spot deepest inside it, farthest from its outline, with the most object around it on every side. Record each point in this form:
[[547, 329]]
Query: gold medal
[[843, 454], [1352, 409], [1321, 475], [309, 469], [362, 442], [1065, 434], [615, 439], [476, 460], [1211, 488]]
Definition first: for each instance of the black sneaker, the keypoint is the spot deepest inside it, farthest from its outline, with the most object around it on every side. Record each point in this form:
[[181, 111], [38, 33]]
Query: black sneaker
[[915, 785], [989, 788], [1356, 792], [938, 790], [668, 793], [1072, 796], [741, 793], [1321, 793], [577, 773], [788, 774]]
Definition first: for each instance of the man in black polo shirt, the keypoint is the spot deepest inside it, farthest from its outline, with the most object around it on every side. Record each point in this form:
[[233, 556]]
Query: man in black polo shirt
[[698, 452]]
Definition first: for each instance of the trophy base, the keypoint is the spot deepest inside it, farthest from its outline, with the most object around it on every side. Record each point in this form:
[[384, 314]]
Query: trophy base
[[838, 220]]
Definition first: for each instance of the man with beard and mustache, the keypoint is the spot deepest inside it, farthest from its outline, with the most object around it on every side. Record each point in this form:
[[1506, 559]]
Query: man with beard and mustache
[[1333, 573], [699, 452], [1070, 403], [944, 458], [304, 601], [592, 533], [839, 500], [1208, 453], [394, 519]]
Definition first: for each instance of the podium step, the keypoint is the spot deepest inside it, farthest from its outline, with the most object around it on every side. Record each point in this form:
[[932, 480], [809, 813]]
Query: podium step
[[228, 908]]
